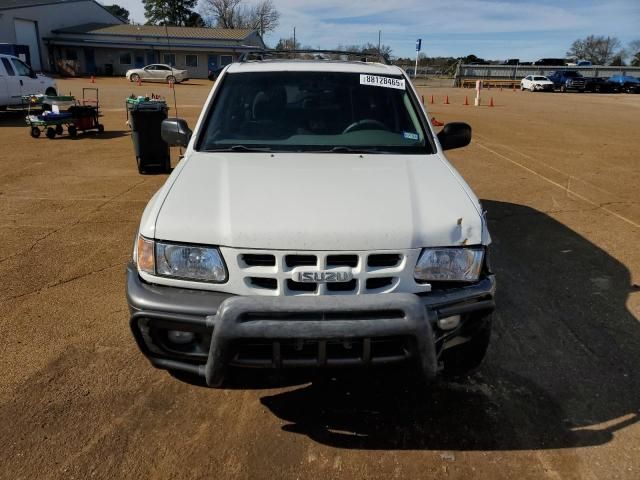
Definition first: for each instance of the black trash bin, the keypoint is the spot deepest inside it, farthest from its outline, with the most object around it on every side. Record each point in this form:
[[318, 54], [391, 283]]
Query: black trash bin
[[108, 69], [152, 152]]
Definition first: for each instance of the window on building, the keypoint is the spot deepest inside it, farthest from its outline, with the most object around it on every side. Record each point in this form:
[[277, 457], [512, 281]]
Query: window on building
[[71, 54], [226, 59], [191, 60], [125, 58], [7, 65], [169, 59]]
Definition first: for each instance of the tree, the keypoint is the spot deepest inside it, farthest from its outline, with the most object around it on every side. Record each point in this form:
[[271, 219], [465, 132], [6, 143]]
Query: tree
[[171, 12], [599, 50], [262, 16], [617, 61], [287, 44], [119, 12], [634, 52], [195, 20], [367, 49]]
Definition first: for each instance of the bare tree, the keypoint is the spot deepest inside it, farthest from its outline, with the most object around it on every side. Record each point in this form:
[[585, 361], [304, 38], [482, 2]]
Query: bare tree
[[262, 16], [599, 50]]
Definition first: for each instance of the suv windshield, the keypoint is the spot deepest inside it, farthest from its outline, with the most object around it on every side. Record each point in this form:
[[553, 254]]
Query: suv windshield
[[314, 111]]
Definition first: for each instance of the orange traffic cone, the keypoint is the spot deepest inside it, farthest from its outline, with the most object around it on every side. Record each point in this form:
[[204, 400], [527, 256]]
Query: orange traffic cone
[[466, 100], [446, 100], [93, 79], [436, 123], [431, 101], [139, 82], [500, 88], [170, 84], [491, 102]]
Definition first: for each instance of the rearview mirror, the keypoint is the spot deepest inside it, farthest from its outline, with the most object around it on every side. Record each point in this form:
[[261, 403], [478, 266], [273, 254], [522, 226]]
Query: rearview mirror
[[175, 132], [454, 135]]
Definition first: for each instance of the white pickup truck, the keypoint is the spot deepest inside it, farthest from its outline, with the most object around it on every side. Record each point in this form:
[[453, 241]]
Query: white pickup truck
[[18, 79], [313, 222]]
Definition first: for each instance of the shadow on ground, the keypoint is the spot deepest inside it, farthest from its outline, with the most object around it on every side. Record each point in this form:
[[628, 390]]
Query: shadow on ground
[[561, 373]]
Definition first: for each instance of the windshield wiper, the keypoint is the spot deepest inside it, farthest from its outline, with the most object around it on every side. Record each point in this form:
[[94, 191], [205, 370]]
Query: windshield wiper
[[342, 149], [239, 148]]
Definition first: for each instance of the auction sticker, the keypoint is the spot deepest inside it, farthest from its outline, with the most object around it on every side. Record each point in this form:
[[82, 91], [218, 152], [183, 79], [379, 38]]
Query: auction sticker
[[377, 81]]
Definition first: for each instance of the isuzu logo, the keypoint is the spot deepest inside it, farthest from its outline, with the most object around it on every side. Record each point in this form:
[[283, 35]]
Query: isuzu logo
[[322, 276]]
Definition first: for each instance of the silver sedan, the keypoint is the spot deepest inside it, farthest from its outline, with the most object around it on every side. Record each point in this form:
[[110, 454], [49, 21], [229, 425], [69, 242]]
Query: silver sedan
[[157, 72]]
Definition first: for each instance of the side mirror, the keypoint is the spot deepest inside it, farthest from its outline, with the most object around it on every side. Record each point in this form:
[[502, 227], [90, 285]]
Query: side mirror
[[455, 135], [175, 132]]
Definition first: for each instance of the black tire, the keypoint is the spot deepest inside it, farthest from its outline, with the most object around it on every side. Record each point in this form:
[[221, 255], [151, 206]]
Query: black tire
[[73, 131], [141, 169], [464, 359], [59, 130], [35, 132], [171, 79], [134, 77], [100, 128], [51, 92], [51, 133]]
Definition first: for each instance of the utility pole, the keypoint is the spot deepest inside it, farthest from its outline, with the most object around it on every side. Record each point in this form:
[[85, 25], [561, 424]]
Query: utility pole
[[418, 47], [294, 38], [379, 41]]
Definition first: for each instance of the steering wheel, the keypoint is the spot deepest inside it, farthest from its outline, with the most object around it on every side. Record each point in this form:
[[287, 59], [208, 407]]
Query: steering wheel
[[365, 124]]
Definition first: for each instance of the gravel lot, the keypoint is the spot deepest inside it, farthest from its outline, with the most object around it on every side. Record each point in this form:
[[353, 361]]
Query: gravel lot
[[558, 397]]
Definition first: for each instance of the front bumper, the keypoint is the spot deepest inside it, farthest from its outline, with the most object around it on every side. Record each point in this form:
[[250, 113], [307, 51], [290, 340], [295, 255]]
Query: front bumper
[[543, 88], [305, 331]]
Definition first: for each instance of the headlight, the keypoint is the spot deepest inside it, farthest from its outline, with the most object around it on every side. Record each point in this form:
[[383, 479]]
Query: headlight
[[187, 262], [449, 264]]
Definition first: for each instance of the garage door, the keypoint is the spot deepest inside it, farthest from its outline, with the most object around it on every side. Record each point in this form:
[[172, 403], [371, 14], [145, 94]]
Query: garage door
[[26, 34]]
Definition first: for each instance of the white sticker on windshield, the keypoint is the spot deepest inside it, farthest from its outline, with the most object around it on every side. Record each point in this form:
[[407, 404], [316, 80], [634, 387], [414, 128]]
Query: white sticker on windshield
[[377, 81]]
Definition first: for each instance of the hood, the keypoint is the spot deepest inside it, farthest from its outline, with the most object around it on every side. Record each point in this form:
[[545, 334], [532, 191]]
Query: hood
[[318, 201]]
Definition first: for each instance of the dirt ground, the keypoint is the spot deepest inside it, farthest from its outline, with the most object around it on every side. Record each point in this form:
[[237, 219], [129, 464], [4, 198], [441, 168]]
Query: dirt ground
[[559, 394]]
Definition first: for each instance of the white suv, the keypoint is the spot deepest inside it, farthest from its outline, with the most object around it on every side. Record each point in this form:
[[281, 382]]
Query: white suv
[[313, 222]]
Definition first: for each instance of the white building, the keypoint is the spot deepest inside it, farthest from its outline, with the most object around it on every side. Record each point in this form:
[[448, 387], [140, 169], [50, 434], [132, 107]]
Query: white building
[[80, 37], [28, 22]]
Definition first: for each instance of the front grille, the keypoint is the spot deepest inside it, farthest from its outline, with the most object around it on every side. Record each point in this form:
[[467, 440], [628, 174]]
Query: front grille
[[267, 283], [342, 261], [384, 260], [258, 260], [300, 286], [293, 261], [318, 353], [273, 272]]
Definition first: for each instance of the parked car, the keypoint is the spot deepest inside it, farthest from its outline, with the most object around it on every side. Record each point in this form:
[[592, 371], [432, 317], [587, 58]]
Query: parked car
[[625, 83], [550, 62], [598, 85], [536, 83], [17, 79], [564, 80], [270, 244], [214, 74], [157, 73]]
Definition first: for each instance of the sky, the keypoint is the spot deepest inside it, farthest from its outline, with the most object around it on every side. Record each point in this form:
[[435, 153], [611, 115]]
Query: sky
[[490, 29]]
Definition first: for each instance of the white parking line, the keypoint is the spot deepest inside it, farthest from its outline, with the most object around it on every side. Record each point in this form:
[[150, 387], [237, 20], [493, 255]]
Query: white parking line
[[562, 187], [570, 177]]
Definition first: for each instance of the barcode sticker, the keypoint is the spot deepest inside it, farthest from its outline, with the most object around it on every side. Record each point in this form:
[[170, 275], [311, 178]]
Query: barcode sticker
[[386, 82]]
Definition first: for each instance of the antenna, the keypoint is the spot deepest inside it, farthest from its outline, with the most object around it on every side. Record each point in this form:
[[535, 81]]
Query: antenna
[[175, 101]]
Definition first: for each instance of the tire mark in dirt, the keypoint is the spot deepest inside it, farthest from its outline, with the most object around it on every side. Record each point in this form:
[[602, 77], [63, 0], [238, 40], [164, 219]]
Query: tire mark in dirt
[[562, 187]]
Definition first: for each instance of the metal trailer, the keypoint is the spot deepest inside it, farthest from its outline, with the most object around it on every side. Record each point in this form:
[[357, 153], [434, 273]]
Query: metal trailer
[[80, 116]]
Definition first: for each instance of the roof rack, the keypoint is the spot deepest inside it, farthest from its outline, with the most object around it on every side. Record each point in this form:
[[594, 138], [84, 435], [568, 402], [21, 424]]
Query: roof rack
[[305, 54]]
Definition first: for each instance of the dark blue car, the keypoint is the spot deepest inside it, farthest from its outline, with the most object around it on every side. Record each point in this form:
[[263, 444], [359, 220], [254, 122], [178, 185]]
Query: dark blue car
[[625, 83]]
